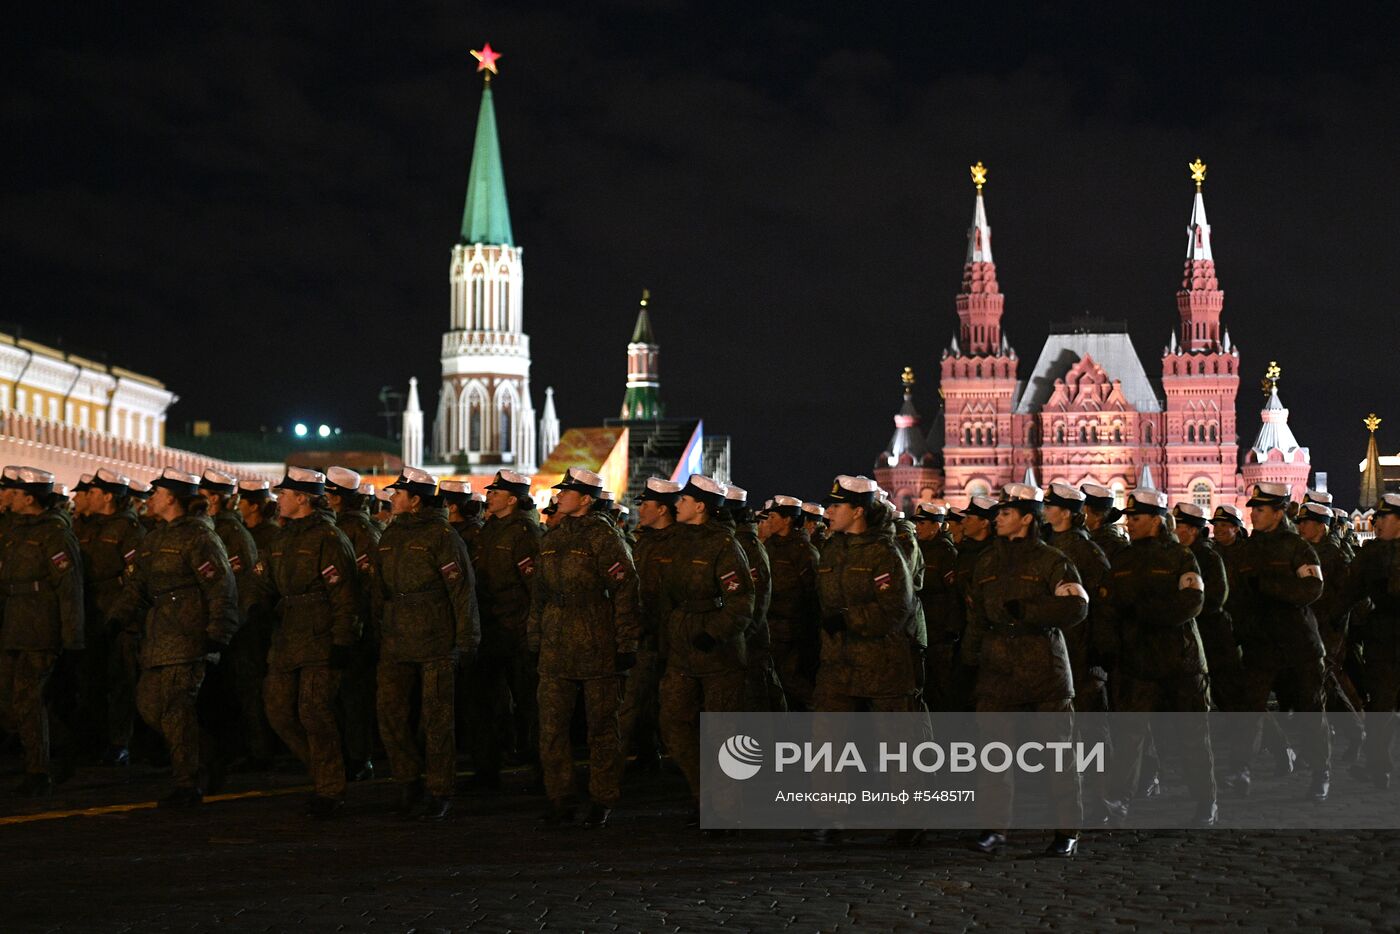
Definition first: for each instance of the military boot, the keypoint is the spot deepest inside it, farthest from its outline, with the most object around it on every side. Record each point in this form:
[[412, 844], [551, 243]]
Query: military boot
[[436, 808], [409, 795], [1063, 846], [598, 815], [1321, 785], [989, 841], [183, 797]]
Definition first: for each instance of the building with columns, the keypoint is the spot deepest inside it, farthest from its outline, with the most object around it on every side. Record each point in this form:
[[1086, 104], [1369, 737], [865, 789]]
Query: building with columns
[[1088, 411]]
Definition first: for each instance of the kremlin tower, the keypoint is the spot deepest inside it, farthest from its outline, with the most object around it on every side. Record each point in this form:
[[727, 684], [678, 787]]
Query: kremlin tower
[[1276, 456], [908, 467]]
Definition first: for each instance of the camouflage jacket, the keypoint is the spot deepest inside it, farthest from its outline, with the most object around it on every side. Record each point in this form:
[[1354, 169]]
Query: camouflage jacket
[[109, 544], [503, 558], [793, 610], [584, 608], [907, 538], [363, 535], [1092, 566], [423, 591], [759, 637], [468, 530], [182, 583], [1279, 578], [708, 588], [1376, 577], [1111, 539], [1023, 596], [242, 556], [1213, 622], [943, 607], [653, 556], [264, 534], [311, 572], [1333, 609], [41, 584], [1152, 598], [864, 580]]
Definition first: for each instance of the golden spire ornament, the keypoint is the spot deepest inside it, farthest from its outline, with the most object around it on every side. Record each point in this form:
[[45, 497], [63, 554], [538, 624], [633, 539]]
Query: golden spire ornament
[[1271, 376], [979, 174], [907, 377], [646, 297], [1198, 172], [1371, 422]]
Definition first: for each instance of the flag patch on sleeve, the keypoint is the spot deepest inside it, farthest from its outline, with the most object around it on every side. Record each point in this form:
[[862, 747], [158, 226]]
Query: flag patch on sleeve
[[882, 581], [451, 571], [61, 561], [130, 556], [730, 581], [526, 566], [236, 562], [331, 575], [208, 571], [617, 572], [362, 562]]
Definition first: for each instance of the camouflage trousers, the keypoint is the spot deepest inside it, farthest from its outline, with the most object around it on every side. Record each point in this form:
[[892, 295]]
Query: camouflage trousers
[[601, 699], [791, 665], [830, 696], [996, 790], [247, 654], [355, 708], [637, 719], [762, 690], [167, 697], [948, 683], [502, 706], [24, 676], [301, 709], [435, 681], [1135, 699], [683, 697]]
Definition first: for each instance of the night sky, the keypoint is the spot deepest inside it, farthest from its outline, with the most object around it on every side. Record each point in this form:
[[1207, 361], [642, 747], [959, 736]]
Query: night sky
[[255, 202]]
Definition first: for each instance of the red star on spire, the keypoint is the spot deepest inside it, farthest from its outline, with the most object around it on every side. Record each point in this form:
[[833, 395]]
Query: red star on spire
[[486, 60]]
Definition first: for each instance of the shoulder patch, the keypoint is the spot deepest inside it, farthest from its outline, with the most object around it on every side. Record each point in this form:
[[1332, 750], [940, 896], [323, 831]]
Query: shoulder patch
[[236, 563], [331, 574], [451, 570], [882, 581], [61, 560], [208, 571], [730, 580], [526, 566], [617, 572]]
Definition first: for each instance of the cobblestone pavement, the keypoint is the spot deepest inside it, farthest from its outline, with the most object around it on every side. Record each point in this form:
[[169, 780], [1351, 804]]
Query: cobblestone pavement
[[256, 864]]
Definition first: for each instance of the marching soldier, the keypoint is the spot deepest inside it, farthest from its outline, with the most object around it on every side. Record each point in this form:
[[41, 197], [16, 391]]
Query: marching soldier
[[1377, 575], [762, 690], [1213, 622], [943, 607], [1101, 519], [1022, 597], [1279, 579], [505, 683], [1064, 512], [465, 509], [41, 585], [183, 587], [637, 719], [708, 601], [425, 599], [793, 611], [141, 493], [584, 623], [311, 570], [814, 523], [258, 506], [1152, 599], [108, 537], [355, 699], [1333, 612]]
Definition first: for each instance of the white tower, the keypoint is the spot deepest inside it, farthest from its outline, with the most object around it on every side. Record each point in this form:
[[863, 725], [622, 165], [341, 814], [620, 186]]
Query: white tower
[[485, 416], [549, 426], [412, 427]]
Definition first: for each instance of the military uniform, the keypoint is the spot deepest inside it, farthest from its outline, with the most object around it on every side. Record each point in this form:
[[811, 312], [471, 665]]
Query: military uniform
[[183, 584], [793, 613], [1333, 613], [355, 702], [311, 569], [1376, 627], [638, 716], [944, 616], [583, 615], [1215, 628], [1090, 562], [253, 642], [108, 544], [231, 701], [762, 688], [41, 584], [505, 683], [425, 600]]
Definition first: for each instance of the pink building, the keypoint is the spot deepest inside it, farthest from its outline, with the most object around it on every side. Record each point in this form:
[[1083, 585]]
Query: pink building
[[1088, 410]]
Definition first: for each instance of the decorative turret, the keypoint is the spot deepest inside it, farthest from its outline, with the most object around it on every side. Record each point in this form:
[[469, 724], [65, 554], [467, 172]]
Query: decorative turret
[[1200, 300], [907, 468], [549, 426], [980, 300], [643, 398], [1276, 456], [412, 427], [1372, 481]]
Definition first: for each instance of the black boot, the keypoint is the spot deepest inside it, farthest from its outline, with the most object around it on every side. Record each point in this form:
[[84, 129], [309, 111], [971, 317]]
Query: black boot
[[1284, 761], [409, 796], [598, 815], [436, 808], [361, 771], [1063, 846], [989, 841], [1207, 814], [116, 756], [1321, 785]]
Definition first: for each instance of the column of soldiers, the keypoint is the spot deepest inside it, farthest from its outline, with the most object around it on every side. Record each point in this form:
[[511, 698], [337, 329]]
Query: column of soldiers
[[337, 619]]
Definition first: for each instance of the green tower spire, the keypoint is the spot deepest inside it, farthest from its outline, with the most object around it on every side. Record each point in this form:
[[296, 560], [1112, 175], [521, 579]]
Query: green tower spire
[[486, 218], [643, 398]]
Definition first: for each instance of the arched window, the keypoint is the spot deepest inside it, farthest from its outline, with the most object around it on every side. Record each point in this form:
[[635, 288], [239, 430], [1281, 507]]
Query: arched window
[[504, 427], [1059, 434], [967, 435], [1191, 433], [474, 423], [1094, 433], [1212, 431], [1084, 434], [979, 434], [1117, 434], [979, 371], [1200, 494], [1147, 432], [1201, 367]]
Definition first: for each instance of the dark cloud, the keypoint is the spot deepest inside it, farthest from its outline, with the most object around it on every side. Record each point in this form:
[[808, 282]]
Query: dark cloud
[[256, 202]]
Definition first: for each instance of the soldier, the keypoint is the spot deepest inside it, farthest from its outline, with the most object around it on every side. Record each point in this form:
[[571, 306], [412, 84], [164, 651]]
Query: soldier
[[794, 611], [1377, 574], [183, 587], [1279, 579], [708, 601], [1151, 601], [1213, 622], [258, 506], [465, 509], [584, 623], [551, 513], [425, 600], [1333, 612], [382, 509], [907, 538], [954, 525], [814, 524], [141, 493], [108, 537], [355, 700], [762, 690], [505, 683], [942, 605], [637, 719], [1101, 519], [41, 583], [311, 570], [1022, 597]]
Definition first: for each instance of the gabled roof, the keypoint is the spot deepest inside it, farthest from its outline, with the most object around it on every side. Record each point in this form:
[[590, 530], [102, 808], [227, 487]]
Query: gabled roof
[[1113, 351]]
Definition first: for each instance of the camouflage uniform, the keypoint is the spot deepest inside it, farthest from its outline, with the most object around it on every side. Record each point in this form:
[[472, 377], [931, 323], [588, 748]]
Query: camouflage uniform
[[1022, 597], [108, 544], [1092, 566], [355, 702], [762, 689], [41, 584], [1111, 539], [707, 595], [182, 583], [1279, 578], [1215, 628], [793, 614], [505, 683], [311, 569], [637, 718], [1152, 599], [425, 599], [907, 538], [252, 645], [964, 679], [231, 702], [943, 614], [468, 529], [1377, 629], [584, 613]]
